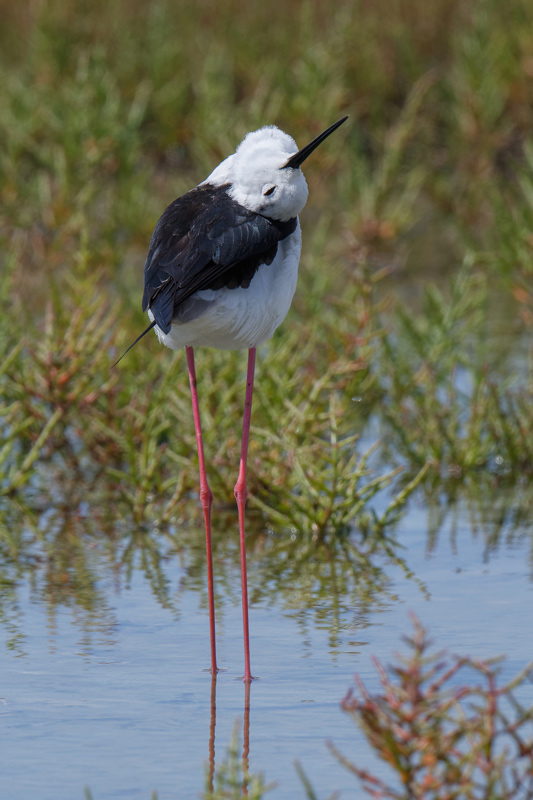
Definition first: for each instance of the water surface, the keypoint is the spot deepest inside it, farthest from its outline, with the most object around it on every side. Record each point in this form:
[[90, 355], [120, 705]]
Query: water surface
[[121, 702]]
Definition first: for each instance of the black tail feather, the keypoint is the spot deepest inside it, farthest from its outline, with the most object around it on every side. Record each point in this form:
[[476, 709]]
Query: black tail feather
[[149, 328]]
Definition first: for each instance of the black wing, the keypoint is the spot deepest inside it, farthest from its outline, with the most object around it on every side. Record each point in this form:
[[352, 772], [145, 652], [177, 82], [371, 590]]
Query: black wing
[[205, 240]]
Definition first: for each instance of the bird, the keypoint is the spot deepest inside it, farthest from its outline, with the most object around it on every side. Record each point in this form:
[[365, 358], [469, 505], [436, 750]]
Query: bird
[[221, 272]]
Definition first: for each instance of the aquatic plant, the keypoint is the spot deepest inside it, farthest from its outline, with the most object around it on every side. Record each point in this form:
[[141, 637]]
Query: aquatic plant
[[445, 727]]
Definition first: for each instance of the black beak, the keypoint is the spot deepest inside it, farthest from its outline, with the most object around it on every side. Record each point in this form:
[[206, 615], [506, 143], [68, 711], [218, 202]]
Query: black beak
[[296, 161]]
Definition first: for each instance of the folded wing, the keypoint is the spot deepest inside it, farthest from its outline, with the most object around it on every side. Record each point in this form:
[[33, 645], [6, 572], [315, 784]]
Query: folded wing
[[205, 240]]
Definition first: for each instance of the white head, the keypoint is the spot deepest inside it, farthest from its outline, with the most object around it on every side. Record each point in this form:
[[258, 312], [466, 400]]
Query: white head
[[259, 179], [265, 174]]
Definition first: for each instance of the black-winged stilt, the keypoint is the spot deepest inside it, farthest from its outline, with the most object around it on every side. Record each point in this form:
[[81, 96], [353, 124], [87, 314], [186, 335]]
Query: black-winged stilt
[[221, 271]]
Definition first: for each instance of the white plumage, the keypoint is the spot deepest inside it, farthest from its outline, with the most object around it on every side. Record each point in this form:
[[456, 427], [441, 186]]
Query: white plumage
[[244, 317], [234, 319]]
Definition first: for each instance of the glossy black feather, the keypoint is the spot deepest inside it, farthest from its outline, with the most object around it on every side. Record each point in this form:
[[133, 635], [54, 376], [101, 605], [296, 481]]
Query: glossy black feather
[[205, 240]]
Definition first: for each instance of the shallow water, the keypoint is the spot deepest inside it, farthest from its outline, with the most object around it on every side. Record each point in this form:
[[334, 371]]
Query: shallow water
[[123, 705]]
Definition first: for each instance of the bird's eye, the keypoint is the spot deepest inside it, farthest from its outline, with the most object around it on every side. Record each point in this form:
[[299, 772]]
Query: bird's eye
[[269, 191]]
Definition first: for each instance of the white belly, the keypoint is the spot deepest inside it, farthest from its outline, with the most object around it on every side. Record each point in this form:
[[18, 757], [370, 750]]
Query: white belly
[[235, 319]]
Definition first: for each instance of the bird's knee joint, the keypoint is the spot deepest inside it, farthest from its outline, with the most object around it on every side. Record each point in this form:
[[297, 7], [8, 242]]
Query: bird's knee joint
[[240, 492], [206, 497]]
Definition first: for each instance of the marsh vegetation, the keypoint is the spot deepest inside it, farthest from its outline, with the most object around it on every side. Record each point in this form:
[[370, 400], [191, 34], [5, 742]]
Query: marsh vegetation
[[403, 372]]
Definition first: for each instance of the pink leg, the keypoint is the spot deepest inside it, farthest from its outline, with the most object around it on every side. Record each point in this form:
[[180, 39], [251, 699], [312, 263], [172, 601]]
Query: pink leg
[[206, 498], [241, 494]]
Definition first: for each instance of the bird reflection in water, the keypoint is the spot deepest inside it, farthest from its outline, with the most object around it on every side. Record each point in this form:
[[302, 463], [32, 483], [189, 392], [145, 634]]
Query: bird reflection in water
[[245, 737]]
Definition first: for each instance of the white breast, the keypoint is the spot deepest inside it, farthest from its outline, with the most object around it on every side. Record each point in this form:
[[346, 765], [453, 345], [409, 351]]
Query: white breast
[[235, 319]]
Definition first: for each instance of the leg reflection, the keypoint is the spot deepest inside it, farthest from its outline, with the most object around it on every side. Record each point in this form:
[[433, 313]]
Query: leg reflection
[[246, 739], [212, 726], [245, 736]]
